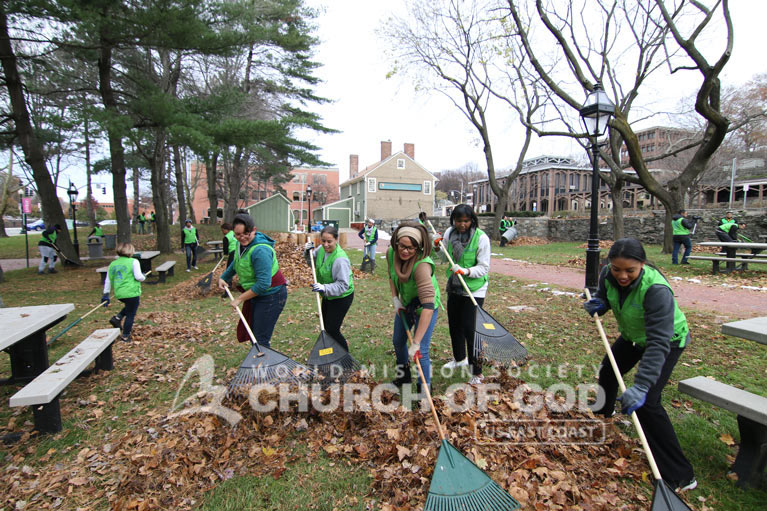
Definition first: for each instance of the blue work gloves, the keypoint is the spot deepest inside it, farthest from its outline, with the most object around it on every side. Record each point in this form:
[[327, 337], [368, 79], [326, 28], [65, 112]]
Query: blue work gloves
[[633, 399], [318, 288], [105, 299], [595, 306]]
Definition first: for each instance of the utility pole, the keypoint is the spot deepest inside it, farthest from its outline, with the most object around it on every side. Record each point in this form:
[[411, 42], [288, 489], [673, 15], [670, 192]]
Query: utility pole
[[732, 180]]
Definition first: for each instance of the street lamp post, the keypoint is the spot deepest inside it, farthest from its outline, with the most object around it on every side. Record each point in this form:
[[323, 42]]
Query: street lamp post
[[309, 198], [72, 192], [595, 114]]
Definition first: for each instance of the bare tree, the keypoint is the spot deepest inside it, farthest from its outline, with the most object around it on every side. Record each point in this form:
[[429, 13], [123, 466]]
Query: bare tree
[[636, 40]]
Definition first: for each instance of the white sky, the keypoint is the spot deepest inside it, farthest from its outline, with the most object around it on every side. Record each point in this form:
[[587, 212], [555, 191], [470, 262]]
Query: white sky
[[368, 108]]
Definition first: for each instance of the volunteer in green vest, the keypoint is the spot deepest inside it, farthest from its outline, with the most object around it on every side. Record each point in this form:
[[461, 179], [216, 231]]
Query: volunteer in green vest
[[47, 249], [728, 219], [415, 294], [190, 240], [335, 281], [152, 219], [141, 222], [653, 333], [503, 226], [469, 247], [96, 232], [264, 290], [369, 234], [682, 226], [124, 275], [229, 243]]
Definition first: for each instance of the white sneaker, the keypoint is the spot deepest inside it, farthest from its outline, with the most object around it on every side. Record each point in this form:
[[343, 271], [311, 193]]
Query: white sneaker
[[195, 267], [453, 364], [476, 380], [188, 269]]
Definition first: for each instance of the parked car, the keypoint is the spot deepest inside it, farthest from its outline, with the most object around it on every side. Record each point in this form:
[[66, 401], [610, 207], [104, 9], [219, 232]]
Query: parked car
[[37, 225], [108, 222]]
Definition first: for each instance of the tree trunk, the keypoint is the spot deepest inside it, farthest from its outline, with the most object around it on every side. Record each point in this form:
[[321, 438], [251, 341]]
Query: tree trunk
[[136, 197], [181, 187], [91, 205], [4, 196], [210, 173], [616, 194], [116, 150], [160, 191], [33, 151]]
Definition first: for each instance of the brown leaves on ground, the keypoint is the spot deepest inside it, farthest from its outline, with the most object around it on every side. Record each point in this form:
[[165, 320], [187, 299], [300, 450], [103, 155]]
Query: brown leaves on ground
[[528, 240], [163, 463]]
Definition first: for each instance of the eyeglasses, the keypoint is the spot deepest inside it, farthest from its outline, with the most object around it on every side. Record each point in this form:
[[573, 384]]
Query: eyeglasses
[[406, 248], [242, 234]]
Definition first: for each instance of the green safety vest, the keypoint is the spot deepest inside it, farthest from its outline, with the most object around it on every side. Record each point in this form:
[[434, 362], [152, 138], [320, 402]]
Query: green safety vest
[[724, 222], [232, 241], [324, 264], [245, 270], [631, 316], [190, 235], [51, 238], [97, 231], [122, 280], [370, 237], [467, 260], [679, 229], [504, 225], [408, 291], [141, 218], [726, 227]]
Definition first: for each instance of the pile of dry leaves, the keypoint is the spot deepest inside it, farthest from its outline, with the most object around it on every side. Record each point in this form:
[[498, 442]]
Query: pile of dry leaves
[[528, 241]]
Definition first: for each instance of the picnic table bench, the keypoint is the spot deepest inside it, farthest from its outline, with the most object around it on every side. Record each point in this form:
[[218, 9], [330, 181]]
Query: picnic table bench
[[750, 408], [42, 393], [216, 248], [23, 336], [164, 269], [731, 257]]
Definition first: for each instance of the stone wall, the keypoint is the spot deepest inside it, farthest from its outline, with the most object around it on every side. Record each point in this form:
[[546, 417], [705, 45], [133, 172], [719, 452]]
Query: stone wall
[[648, 228]]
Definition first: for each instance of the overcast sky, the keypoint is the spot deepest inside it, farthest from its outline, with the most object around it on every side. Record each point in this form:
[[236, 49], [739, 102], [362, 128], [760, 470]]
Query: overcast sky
[[368, 108]]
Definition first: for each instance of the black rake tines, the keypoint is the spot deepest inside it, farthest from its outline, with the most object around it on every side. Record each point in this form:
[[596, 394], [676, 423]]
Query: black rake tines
[[266, 366], [501, 350]]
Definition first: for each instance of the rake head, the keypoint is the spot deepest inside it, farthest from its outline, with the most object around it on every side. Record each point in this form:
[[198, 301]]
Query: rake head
[[458, 484], [666, 499], [265, 365], [493, 342], [205, 282], [330, 360]]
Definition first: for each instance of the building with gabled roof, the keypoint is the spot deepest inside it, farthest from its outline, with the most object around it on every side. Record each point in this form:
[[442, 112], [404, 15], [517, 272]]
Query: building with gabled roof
[[394, 188]]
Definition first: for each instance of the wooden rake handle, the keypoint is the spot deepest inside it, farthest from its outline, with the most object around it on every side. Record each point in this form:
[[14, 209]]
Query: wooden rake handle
[[424, 386], [622, 387], [244, 322], [314, 279], [450, 259]]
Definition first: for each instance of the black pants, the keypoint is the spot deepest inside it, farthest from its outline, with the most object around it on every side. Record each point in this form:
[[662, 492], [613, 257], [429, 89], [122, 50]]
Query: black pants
[[461, 314], [672, 463], [129, 313], [333, 314]]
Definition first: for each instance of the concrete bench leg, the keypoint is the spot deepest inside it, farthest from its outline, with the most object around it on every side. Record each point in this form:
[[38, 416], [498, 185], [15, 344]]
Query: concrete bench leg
[[28, 358], [105, 362], [752, 455], [48, 417], [161, 277]]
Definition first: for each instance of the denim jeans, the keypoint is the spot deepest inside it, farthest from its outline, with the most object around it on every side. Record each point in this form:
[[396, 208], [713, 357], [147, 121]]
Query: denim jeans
[[129, 313], [678, 242], [191, 255], [400, 341], [370, 251], [265, 312]]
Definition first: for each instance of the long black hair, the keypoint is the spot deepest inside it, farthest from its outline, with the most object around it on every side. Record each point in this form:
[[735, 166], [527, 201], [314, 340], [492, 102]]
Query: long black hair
[[631, 248], [464, 210]]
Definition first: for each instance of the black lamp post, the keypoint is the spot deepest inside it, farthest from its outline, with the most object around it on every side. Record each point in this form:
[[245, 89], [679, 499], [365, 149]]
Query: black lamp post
[[595, 114], [309, 198], [72, 192]]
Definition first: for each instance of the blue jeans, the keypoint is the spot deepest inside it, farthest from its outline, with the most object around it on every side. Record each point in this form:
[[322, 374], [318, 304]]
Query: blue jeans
[[369, 251], [129, 313], [265, 312], [678, 242], [191, 255], [400, 341]]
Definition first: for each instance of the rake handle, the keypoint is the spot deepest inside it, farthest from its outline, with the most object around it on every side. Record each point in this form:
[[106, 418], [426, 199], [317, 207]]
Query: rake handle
[[450, 259], [319, 301], [244, 321], [425, 386], [622, 387], [75, 322]]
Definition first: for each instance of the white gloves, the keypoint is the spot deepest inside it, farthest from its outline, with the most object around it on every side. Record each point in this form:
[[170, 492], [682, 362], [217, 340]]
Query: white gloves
[[397, 304], [413, 350], [457, 269], [318, 288], [309, 245]]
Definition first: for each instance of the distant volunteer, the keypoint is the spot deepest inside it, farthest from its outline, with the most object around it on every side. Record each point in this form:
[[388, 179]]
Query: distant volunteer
[[46, 246], [125, 277], [369, 235], [189, 241]]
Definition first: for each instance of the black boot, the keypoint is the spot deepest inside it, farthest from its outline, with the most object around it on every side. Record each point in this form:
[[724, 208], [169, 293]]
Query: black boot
[[406, 377]]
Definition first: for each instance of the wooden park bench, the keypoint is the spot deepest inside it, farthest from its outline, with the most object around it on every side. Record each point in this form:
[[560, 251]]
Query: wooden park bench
[[103, 272], [752, 423], [164, 269], [42, 393], [718, 259]]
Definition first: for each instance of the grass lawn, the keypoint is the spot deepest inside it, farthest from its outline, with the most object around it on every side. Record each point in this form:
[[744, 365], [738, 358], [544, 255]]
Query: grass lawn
[[116, 439]]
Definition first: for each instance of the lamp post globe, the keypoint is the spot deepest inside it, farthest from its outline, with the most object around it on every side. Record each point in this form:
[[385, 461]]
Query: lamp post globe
[[72, 192], [595, 115]]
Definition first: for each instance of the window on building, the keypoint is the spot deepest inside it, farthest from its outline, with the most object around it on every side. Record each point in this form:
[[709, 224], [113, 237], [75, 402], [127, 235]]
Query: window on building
[[296, 196], [319, 179], [427, 187], [401, 163], [371, 185], [359, 187]]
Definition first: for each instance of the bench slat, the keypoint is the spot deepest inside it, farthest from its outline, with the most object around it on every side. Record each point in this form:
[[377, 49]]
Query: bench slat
[[725, 396], [53, 380], [733, 259], [167, 265]]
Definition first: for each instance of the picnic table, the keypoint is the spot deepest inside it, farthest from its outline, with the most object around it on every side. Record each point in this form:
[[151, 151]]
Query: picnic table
[[145, 259], [216, 248], [23, 337], [731, 248]]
